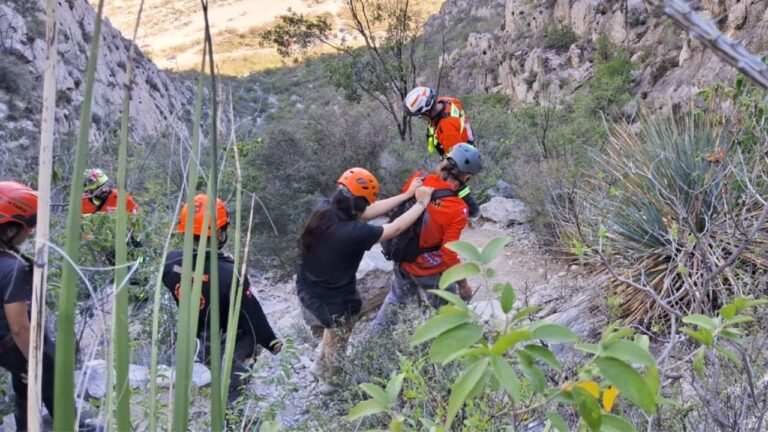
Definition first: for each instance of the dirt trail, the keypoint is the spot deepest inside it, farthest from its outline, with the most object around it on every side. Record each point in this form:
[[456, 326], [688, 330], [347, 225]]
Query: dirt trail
[[538, 278]]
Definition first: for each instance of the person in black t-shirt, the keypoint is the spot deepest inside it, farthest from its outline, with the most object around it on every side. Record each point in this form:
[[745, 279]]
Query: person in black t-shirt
[[18, 217], [252, 327], [332, 245]]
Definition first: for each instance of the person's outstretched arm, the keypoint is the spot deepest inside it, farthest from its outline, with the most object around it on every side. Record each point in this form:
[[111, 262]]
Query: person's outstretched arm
[[397, 226], [382, 207]]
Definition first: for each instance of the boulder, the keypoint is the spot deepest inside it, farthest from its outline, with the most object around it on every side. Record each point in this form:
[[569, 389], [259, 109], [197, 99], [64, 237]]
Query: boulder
[[373, 278], [166, 375], [96, 377], [500, 189], [505, 211]]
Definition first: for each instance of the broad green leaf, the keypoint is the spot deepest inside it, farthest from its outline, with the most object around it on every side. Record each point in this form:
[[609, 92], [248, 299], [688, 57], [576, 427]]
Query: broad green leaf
[[509, 340], [524, 313], [703, 335], [450, 309], [629, 382], [757, 302], [739, 319], [507, 298], [554, 333], [449, 345], [492, 249], [556, 420], [465, 249], [732, 334], [698, 363], [589, 409], [613, 423], [630, 352], [700, 320], [450, 298], [490, 272], [480, 386], [462, 387], [544, 354], [505, 374], [394, 386], [643, 341], [587, 347], [457, 273], [613, 336], [728, 311], [535, 376], [729, 355], [437, 326], [653, 379], [366, 408], [376, 393]]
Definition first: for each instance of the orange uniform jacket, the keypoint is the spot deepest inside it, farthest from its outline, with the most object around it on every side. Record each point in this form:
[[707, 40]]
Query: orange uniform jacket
[[110, 205], [443, 222], [451, 127]]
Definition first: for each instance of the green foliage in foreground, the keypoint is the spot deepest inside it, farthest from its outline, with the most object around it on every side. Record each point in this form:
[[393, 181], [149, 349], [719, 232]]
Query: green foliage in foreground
[[513, 366], [514, 359]]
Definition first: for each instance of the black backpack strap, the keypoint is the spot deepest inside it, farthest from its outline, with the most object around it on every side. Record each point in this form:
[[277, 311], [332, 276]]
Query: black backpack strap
[[443, 193], [436, 195]]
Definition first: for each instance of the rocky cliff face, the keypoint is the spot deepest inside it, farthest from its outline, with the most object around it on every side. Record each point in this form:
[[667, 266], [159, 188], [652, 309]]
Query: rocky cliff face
[[159, 102], [514, 59]]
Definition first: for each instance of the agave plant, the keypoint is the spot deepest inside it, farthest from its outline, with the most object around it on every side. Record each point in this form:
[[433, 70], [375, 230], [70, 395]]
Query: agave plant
[[672, 204]]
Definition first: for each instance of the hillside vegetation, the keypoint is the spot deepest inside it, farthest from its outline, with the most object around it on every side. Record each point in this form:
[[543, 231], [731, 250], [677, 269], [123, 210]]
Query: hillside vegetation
[[659, 207]]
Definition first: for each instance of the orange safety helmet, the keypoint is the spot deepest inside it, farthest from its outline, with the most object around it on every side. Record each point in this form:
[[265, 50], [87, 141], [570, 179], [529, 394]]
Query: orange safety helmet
[[18, 203], [361, 183], [201, 204]]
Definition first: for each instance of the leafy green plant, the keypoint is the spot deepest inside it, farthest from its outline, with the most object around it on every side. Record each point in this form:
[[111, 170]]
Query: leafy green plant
[[512, 358], [559, 37]]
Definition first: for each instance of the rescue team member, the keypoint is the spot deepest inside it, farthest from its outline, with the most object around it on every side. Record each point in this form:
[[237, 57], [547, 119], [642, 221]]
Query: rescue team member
[[18, 217], [253, 326], [444, 222], [448, 126], [332, 245], [100, 196]]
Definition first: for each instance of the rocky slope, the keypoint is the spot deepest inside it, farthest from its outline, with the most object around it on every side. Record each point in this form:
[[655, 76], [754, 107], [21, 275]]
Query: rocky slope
[[669, 65], [159, 102]]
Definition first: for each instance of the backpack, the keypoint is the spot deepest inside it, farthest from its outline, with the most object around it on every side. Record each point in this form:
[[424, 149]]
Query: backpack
[[405, 247]]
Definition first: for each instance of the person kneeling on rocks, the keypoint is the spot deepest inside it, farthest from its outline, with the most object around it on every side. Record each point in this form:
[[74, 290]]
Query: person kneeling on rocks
[[253, 326], [332, 245]]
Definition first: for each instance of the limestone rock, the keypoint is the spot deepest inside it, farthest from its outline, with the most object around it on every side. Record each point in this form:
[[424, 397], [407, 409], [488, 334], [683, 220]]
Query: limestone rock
[[505, 211], [500, 189], [373, 278]]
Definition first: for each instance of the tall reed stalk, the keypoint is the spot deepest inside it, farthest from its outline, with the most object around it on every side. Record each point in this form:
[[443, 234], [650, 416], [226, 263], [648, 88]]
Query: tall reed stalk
[[64, 400], [120, 353], [236, 288], [40, 275], [213, 190], [185, 334]]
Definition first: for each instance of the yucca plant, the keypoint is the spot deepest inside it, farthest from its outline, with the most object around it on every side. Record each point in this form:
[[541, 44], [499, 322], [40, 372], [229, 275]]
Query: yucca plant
[[673, 206]]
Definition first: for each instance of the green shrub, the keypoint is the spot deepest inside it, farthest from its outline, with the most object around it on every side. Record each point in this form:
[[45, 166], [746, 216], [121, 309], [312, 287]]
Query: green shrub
[[559, 38]]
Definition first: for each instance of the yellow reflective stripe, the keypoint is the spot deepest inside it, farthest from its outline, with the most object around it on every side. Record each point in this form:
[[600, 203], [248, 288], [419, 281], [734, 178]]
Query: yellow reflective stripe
[[464, 192]]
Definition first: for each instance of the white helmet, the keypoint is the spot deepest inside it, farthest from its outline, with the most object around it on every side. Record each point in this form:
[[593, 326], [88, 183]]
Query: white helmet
[[419, 101]]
